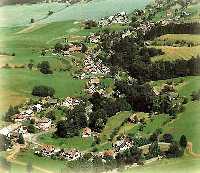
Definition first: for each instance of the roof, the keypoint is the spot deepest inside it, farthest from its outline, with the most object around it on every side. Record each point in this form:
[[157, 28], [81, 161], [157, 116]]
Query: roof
[[108, 153], [94, 81], [48, 147], [87, 130], [44, 120]]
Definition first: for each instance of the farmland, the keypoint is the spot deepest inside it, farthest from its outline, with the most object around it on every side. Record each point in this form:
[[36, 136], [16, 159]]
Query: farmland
[[116, 111], [174, 53], [92, 10]]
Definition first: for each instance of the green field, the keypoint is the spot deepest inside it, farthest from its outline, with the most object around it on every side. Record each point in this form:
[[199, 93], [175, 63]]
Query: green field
[[186, 37], [185, 164], [67, 143], [187, 123], [174, 53], [113, 123], [18, 84], [93, 10], [48, 164]]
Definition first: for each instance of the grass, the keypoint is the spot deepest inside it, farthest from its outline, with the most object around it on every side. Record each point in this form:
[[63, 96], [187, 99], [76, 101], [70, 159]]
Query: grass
[[93, 10], [186, 37], [68, 143], [113, 123], [174, 53], [18, 84], [187, 123], [178, 165], [153, 124], [45, 163], [185, 85]]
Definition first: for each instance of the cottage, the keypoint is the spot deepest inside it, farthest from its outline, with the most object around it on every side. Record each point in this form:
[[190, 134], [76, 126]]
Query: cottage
[[87, 132], [37, 107], [123, 144], [47, 150], [133, 119], [108, 153], [94, 81], [70, 102], [70, 155], [43, 124]]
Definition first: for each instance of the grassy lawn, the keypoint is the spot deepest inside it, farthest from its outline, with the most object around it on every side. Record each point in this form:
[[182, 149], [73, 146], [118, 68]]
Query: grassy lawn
[[174, 53], [112, 123], [185, 164], [44, 163], [186, 37], [184, 88], [68, 143], [187, 123], [153, 124], [18, 84]]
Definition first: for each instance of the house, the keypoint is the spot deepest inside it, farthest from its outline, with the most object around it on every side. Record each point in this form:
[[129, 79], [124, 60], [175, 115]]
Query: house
[[94, 81], [70, 102], [94, 38], [108, 154], [74, 48], [19, 118], [87, 132], [47, 150], [43, 124], [37, 107], [70, 155], [123, 144], [52, 101], [133, 119]]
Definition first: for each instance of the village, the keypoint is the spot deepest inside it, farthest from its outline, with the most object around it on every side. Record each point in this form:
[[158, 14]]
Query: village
[[33, 118]]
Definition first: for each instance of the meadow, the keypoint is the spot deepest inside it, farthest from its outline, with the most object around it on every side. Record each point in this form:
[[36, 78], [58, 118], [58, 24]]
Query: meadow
[[68, 143], [174, 53], [113, 123], [95, 9]]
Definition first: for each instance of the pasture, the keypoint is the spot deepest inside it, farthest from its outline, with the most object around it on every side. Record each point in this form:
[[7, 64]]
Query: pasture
[[67, 143], [113, 123], [174, 53], [95, 9]]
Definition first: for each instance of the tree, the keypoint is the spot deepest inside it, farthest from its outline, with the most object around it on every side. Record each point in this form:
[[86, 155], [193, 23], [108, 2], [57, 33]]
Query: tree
[[154, 149], [5, 143], [174, 151], [21, 139], [31, 128], [58, 47], [30, 64], [43, 91], [12, 110], [183, 141], [32, 20], [66, 129], [168, 138], [44, 67]]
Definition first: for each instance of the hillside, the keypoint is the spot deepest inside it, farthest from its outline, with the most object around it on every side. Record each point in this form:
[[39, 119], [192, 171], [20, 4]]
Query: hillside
[[39, 12], [14, 2]]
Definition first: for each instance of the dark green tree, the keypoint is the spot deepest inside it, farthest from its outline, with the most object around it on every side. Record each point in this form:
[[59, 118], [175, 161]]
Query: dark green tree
[[183, 141]]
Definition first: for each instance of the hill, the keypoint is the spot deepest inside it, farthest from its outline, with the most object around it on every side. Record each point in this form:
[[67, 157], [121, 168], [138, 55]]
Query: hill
[[92, 10]]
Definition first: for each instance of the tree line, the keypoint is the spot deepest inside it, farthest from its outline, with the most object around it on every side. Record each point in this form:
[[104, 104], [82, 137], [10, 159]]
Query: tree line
[[172, 28]]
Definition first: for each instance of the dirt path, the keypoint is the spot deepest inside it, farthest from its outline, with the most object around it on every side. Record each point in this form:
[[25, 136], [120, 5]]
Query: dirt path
[[189, 149]]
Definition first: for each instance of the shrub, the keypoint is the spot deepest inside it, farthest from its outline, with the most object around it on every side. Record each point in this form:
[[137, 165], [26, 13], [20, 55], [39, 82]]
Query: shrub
[[43, 91], [183, 141], [168, 138], [44, 67], [21, 139]]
